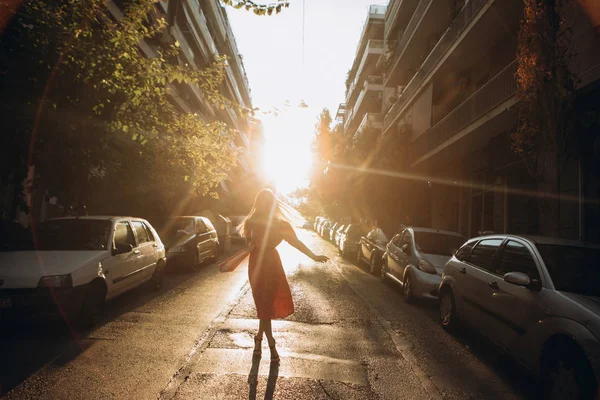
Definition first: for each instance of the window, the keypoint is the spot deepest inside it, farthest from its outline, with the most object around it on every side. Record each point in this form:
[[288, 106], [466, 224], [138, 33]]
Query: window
[[149, 231], [396, 240], [464, 253], [515, 257], [124, 234], [406, 239], [573, 269], [72, 234], [142, 235], [209, 225], [438, 243], [200, 227], [483, 254]]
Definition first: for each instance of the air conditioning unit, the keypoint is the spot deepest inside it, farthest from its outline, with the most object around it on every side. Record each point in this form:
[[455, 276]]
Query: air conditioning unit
[[400, 89]]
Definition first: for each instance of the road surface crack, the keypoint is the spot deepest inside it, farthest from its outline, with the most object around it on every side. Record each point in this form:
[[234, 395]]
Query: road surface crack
[[329, 396]]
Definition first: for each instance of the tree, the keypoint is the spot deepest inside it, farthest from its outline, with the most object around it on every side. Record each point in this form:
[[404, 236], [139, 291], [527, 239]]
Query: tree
[[258, 9], [545, 87], [95, 109]]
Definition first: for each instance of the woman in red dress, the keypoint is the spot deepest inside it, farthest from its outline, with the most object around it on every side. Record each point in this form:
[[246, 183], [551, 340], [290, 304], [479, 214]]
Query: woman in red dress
[[265, 227]]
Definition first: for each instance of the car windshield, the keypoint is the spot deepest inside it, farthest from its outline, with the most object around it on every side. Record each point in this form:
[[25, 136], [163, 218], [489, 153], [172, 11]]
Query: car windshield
[[178, 226], [354, 231], [438, 243], [61, 235], [573, 269], [379, 236]]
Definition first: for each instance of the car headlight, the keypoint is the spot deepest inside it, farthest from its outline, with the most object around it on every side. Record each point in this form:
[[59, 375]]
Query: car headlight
[[177, 249], [426, 267], [56, 281]]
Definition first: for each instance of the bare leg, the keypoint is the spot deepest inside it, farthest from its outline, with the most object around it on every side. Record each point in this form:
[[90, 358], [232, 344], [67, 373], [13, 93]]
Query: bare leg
[[258, 337], [269, 332]]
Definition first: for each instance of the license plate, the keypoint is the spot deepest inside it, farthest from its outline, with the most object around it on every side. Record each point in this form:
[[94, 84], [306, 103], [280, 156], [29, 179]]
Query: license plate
[[5, 303]]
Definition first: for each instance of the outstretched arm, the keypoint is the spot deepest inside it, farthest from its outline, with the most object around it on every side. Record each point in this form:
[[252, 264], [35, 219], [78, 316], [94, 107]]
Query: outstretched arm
[[289, 235], [297, 243]]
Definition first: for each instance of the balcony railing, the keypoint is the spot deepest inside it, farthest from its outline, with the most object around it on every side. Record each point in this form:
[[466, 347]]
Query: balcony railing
[[462, 20], [496, 91], [369, 121], [410, 29], [372, 83], [373, 47]]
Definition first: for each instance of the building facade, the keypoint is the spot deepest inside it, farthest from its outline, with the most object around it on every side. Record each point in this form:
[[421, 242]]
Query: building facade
[[449, 108]]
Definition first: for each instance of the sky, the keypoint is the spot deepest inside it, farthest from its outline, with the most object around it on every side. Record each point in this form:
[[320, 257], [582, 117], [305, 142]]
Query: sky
[[271, 47]]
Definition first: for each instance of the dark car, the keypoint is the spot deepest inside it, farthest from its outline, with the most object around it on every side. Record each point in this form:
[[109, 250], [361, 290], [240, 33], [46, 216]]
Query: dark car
[[189, 240], [350, 239], [371, 249], [338, 234]]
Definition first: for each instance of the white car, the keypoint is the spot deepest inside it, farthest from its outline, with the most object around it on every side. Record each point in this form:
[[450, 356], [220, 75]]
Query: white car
[[537, 298], [415, 259], [73, 265]]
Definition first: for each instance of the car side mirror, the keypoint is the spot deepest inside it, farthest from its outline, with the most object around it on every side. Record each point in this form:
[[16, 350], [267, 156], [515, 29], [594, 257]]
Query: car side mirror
[[517, 278], [406, 249], [122, 248]]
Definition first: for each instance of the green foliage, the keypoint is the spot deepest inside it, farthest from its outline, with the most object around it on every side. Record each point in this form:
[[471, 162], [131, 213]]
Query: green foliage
[[258, 9], [110, 99]]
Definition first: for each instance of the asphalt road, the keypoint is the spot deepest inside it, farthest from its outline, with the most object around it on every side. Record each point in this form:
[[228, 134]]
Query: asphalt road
[[351, 337]]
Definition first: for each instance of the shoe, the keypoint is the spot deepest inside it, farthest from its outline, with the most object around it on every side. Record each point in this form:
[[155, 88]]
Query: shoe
[[257, 347], [274, 354]]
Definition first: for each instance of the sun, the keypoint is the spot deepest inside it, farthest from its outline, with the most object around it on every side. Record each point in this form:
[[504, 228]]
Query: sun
[[287, 157]]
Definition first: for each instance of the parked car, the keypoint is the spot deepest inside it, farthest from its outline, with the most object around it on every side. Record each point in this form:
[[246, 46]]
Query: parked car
[[332, 232], [350, 239], [317, 222], [326, 229], [338, 235], [415, 259], [538, 299], [75, 264], [190, 240], [371, 249], [320, 225]]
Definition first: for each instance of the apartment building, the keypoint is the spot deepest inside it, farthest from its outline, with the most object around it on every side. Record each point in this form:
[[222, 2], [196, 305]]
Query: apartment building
[[449, 104], [364, 83]]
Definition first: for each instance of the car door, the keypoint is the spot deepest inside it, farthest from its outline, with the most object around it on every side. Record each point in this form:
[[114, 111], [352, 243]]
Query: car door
[[404, 255], [367, 244], [393, 248], [213, 238], [477, 285], [120, 267], [204, 239], [147, 248], [516, 307]]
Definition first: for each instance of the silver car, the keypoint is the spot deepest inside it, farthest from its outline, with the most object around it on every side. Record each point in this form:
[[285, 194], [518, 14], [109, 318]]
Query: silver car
[[415, 259], [537, 298]]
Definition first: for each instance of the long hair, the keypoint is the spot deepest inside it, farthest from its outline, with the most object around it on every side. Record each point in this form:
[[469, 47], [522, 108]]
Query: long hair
[[267, 210]]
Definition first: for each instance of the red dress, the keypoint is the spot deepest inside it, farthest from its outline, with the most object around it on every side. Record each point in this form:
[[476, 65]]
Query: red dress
[[270, 289]]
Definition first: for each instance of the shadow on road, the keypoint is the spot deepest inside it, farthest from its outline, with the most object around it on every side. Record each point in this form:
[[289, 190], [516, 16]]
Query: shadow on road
[[253, 379], [28, 345]]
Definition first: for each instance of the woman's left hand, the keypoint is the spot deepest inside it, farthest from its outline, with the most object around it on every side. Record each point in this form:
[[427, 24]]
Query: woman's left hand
[[321, 259]]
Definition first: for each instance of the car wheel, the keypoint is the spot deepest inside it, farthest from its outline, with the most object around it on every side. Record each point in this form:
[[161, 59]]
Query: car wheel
[[358, 258], [407, 289], [448, 310], [566, 372], [158, 275], [213, 258], [195, 262], [383, 272], [373, 264], [92, 304]]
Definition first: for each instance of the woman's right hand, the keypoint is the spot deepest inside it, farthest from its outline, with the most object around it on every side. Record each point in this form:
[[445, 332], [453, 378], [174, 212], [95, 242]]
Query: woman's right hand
[[321, 259]]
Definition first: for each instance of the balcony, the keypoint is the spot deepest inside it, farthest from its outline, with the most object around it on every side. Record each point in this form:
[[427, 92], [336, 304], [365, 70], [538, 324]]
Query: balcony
[[409, 31], [460, 23], [369, 121], [491, 95], [397, 12], [373, 51], [369, 100]]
